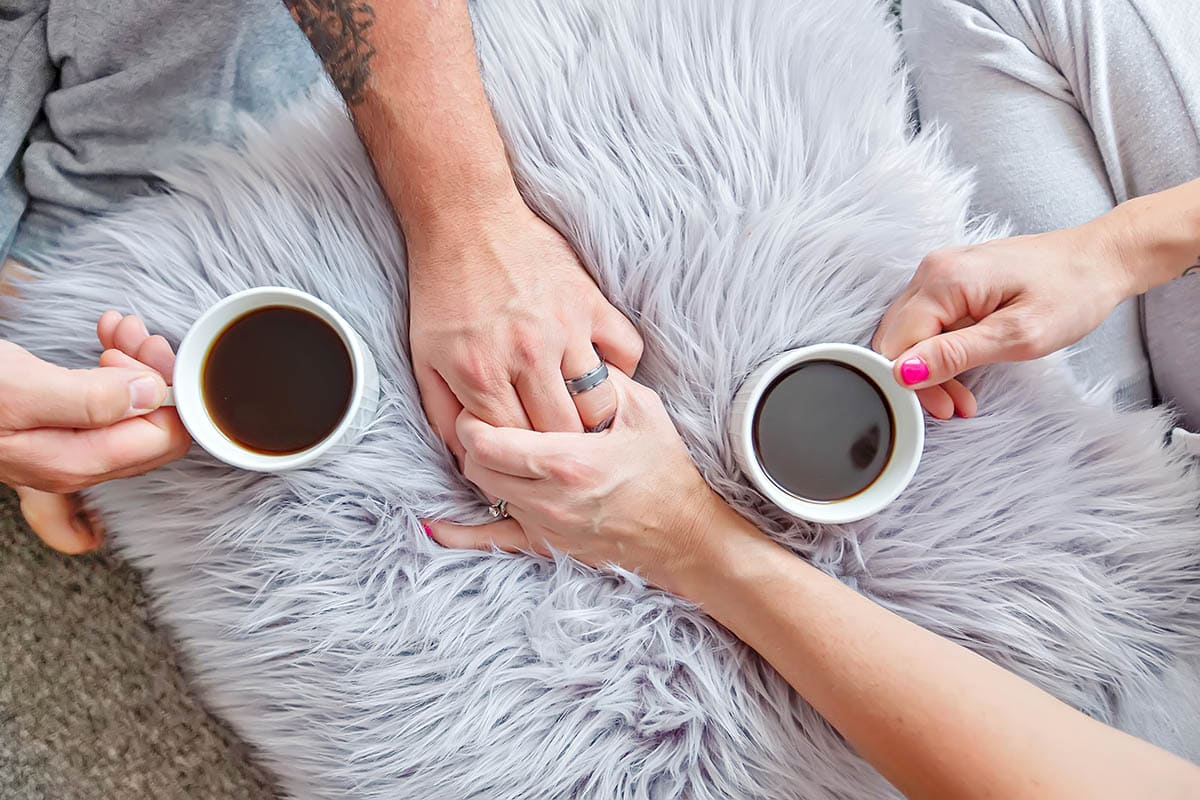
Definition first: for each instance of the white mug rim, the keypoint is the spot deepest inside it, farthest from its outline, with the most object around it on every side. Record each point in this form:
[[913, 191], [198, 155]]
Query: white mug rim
[[908, 436], [187, 378]]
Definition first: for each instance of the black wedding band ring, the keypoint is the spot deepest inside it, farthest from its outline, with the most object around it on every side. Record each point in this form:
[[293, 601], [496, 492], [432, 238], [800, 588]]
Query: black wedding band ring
[[588, 380]]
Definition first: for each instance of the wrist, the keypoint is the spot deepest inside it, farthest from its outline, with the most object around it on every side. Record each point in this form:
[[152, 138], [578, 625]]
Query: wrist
[[460, 213], [1152, 244], [1105, 252], [720, 544], [440, 181]]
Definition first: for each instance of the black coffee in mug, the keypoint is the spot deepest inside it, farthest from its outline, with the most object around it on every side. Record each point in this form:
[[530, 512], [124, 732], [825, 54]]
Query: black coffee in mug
[[278, 380], [823, 431]]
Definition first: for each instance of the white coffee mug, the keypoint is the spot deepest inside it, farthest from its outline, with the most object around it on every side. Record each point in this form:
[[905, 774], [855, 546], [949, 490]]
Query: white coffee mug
[[188, 391], [908, 438]]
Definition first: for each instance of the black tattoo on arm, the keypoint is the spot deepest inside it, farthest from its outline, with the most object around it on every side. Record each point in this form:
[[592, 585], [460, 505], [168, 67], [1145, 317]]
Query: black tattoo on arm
[[338, 32], [1194, 269]]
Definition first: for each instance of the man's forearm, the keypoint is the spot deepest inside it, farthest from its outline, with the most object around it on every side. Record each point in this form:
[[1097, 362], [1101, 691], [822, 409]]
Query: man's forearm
[[934, 718], [408, 71]]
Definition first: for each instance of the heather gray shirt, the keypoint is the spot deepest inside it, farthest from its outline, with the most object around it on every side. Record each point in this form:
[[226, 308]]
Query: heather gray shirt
[[1064, 109], [96, 94]]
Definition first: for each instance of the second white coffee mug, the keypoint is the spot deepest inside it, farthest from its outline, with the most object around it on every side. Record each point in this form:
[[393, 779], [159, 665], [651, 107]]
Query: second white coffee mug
[[188, 381], [908, 434]]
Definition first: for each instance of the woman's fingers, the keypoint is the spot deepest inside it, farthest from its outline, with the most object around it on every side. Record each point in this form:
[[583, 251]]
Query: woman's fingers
[[947, 399], [513, 451], [937, 402], [506, 535], [965, 404], [947, 355], [500, 485], [58, 521]]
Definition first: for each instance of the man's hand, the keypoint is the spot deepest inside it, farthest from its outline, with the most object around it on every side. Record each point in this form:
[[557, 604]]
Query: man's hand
[[63, 430], [501, 311], [501, 314]]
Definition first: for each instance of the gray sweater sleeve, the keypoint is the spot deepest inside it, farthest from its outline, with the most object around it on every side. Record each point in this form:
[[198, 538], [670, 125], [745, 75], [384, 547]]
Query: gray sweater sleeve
[[26, 75]]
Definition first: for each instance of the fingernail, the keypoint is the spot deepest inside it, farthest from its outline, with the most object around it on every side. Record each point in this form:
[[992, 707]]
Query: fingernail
[[428, 530], [913, 371], [145, 394]]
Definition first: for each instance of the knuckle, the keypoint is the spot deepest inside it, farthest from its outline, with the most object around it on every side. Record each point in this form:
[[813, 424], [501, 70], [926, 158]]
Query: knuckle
[[1034, 330], [528, 342], [1024, 350], [637, 347], [181, 443], [645, 397], [572, 471], [475, 371], [1024, 336], [940, 264], [1009, 329], [483, 447], [97, 406], [954, 355], [564, 469]]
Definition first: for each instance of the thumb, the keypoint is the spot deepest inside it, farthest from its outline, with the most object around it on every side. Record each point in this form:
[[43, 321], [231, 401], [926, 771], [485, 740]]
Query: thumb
[[947, 355], [53, 397]]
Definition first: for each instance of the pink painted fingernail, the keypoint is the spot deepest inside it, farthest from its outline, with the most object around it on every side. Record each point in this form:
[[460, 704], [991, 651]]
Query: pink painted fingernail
[[428, 530], [913, 371]]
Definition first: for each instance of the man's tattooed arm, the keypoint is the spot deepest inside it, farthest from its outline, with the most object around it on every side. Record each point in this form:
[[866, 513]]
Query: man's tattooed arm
[[338, 31], [408, 72]]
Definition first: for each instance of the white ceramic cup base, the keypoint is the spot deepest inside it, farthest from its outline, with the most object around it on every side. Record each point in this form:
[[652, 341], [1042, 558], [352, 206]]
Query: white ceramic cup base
[[907, 442], [189, 368]]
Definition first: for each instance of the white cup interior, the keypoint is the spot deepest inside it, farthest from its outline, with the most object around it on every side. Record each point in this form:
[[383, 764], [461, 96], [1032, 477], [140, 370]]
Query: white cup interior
[[907, 443], [189, 368]]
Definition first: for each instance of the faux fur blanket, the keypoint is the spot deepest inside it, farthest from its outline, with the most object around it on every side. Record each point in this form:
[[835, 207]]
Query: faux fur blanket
[[740, 179]]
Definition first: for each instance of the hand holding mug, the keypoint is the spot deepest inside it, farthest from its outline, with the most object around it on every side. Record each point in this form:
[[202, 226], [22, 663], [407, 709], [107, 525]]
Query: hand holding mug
[[1005, 300], [63, 430]]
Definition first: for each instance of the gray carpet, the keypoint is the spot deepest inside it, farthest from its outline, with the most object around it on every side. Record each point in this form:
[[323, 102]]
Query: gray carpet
[[92, 702]]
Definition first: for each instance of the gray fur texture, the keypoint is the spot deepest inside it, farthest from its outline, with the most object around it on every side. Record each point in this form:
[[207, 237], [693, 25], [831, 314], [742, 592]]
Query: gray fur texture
[[740, 179]]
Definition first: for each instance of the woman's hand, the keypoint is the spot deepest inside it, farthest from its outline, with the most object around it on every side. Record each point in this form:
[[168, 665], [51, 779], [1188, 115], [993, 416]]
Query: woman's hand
[[1005, 300], [63, 430], [629, 496]]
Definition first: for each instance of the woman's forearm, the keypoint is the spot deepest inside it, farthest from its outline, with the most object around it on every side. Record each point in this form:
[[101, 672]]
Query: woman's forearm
[[408, 71], [936, 719], [1155, 237]]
